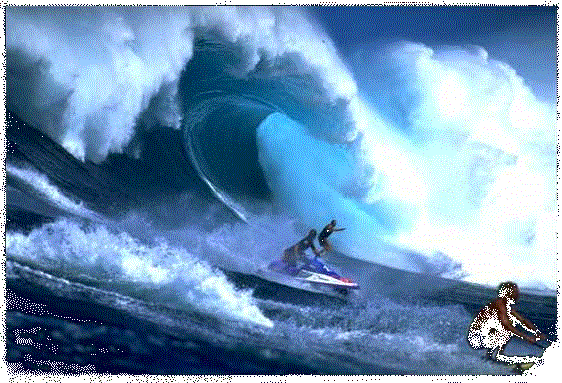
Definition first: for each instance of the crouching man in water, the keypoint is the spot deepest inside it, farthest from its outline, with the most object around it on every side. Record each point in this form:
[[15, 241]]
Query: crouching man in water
[[296, 252], [495, 324]]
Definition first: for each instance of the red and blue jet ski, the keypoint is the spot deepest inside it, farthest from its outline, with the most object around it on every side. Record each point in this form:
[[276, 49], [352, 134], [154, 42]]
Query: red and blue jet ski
[[313, 276]]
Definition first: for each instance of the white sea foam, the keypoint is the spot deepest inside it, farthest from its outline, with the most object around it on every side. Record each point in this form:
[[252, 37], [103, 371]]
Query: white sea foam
[[161, 272], [84, 75], [478, 152]]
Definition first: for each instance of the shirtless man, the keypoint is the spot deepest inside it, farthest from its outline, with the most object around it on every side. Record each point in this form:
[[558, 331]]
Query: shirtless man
[[296, 252], [495, 325]]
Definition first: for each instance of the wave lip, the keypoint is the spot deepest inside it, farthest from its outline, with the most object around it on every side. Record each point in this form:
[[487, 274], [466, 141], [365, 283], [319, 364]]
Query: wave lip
[[57, 57]]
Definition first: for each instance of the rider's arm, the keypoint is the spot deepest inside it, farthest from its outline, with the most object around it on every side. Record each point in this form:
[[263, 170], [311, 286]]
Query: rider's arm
[[524, 322], [527, 324]]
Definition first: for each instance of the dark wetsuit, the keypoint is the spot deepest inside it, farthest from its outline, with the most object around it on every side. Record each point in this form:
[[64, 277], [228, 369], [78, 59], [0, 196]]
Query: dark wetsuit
[[324, 234]]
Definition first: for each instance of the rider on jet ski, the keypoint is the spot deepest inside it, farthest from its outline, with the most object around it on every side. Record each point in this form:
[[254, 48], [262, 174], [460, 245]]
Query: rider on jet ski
[[296, 252]]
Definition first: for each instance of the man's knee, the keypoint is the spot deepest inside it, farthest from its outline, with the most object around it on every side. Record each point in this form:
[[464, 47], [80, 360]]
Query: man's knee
[[475, 340], [497, 338]]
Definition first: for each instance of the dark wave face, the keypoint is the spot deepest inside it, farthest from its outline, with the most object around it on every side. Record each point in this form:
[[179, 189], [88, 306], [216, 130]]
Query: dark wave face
[[222, 115]]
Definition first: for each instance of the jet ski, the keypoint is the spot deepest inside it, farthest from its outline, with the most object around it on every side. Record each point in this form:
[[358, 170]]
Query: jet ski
[[312, 276]]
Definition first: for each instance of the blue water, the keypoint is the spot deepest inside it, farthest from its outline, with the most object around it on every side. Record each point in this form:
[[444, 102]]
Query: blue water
[[140, 212]]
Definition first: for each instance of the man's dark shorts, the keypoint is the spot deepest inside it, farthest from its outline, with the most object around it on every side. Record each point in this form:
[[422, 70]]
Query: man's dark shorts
[[477, 339]]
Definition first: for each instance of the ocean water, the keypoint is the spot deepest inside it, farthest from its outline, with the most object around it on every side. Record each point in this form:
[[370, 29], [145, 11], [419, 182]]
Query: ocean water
[[157, 158]]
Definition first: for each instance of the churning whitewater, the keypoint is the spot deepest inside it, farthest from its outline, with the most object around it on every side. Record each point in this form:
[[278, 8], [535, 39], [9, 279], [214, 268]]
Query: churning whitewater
[[159, 158]]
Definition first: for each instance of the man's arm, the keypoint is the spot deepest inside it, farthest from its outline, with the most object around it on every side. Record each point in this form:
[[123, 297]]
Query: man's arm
[[527, 324]]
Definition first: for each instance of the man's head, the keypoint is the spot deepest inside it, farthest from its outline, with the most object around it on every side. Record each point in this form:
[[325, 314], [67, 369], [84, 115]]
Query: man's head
[[333, 223], [508, 290], [312, 233]]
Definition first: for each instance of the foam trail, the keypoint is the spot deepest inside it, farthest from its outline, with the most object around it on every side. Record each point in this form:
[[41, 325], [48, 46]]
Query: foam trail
[[159, 272], [40, 184]]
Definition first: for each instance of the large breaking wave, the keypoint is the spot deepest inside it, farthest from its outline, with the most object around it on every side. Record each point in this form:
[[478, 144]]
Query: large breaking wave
[[440, 151]]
